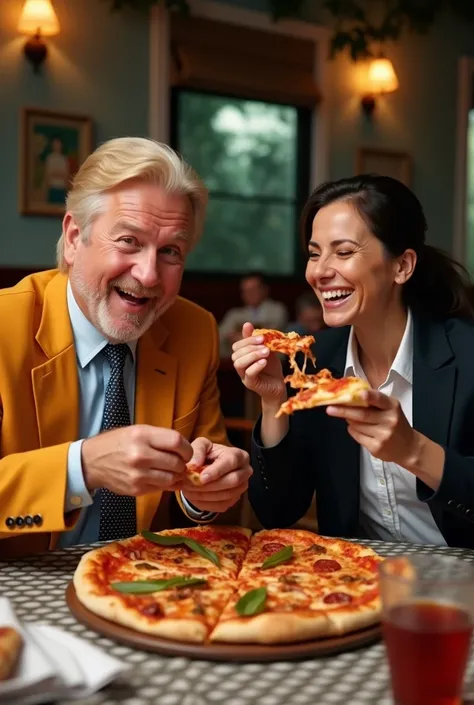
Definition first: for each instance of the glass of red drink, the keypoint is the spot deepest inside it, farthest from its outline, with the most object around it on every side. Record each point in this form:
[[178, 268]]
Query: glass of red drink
[[427, 621]]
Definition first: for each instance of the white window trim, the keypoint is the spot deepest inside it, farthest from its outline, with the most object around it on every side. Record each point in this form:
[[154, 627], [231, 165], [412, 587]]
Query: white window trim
[[159, 88], [465, 87]]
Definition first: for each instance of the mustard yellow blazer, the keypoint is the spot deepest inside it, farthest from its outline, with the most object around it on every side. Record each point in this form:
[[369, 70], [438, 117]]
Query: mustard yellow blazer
[[176, 387]]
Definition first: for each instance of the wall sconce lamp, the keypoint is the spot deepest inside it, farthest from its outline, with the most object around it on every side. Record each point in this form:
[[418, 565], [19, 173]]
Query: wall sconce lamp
[[382, 79], [38, 19]]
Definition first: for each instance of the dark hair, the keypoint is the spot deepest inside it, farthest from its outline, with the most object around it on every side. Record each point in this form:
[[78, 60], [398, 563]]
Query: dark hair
[[439, 286], [255, 275]]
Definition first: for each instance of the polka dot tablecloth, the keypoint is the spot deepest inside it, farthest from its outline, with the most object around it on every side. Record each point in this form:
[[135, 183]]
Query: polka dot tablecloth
[[36, 587]]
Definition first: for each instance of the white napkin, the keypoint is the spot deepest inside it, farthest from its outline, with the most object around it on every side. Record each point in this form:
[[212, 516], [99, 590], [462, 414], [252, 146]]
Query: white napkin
[[54, 664]]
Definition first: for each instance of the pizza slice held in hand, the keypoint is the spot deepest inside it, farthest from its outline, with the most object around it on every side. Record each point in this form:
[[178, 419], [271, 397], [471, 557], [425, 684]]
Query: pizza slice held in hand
[[288, 344], [193, 473], [348, 391], [320, 389]]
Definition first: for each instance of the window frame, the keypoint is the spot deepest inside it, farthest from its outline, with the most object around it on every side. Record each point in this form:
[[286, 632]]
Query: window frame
[[465, 104], [159, 71]]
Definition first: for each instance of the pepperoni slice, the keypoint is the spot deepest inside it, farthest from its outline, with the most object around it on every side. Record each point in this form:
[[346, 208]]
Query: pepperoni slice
[[269, 548], [326, 566], [337, 598]]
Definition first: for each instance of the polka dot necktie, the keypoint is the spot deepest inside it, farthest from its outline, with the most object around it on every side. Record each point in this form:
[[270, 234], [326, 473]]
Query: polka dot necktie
[[117, 512]]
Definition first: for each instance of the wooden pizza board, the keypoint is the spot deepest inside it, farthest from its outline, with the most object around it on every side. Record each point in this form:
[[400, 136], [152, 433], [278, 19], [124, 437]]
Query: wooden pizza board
[[217, 651]]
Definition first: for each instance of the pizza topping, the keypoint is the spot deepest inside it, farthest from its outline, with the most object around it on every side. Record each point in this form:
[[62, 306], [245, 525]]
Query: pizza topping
[[277, 558], [216, 534], [316, 548], [349, 578], [199, 609], [326, 566], [337, 598], [162, 540], [253, 602], [288, 579], [367, 562], [269, 548], [181, 593], [145, 587], [145, 566], [152, 610], [229, 547]]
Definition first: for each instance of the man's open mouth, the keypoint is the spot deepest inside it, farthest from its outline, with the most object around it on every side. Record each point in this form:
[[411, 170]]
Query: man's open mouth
[[131, 298]]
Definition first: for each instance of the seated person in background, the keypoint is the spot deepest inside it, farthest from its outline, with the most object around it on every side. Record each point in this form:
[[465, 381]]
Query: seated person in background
[[309, 315], [399, 316], [258, 308], [108, 378]]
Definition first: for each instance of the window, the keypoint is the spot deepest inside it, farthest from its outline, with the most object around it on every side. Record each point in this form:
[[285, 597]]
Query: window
[[464, 182], [254, 159]]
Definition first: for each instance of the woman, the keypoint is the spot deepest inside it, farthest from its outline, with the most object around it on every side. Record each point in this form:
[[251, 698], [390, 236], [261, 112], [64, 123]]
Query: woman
[[399, 315]]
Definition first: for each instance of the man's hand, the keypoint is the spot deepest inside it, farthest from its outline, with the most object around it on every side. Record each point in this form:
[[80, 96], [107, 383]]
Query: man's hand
[[224, 481], [135, 460]]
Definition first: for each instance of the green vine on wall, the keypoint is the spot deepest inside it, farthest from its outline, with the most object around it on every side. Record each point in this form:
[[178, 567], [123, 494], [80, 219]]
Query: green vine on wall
[[359, 26]]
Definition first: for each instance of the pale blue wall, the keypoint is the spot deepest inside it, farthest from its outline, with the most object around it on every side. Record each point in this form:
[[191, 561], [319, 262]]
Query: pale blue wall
[[98, 67]]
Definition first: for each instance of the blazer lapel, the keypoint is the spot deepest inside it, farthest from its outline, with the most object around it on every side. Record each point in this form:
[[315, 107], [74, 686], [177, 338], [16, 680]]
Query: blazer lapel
[[154, 400], [434, 380], [55, 382]]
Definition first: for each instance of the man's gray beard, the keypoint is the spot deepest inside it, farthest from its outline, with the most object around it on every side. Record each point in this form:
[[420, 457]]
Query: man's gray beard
[[103, 322]]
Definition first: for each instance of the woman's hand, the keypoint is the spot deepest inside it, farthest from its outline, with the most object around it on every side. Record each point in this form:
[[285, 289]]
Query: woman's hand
[[382, 428], [258, 368]]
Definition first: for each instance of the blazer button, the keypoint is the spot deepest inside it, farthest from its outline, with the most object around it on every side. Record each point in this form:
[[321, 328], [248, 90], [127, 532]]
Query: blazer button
[[10, 522], [20, 522], [28, 520], [460, 506], [37, 520], [468, 511], [451, 502]]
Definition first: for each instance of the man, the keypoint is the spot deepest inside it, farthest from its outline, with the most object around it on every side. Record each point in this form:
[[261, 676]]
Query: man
[[258, 308], [107, 377], [309, 315]]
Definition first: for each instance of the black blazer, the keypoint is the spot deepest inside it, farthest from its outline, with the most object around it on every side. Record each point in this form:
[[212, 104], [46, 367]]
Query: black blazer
[[319, 455]]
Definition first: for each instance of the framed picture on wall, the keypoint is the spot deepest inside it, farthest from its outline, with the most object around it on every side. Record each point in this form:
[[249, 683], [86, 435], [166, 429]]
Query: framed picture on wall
[[52, 147], [386, 162]]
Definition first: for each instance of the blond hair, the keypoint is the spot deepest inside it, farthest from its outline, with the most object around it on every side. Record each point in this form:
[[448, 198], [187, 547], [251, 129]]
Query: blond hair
[[123, 159]]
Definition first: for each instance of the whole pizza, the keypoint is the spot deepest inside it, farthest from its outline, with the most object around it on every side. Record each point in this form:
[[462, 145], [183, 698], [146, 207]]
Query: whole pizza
[[222, 584]]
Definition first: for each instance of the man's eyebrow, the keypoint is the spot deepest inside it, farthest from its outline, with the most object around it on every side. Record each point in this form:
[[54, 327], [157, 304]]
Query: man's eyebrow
[[122, 225], [183, 235], [127, 226]]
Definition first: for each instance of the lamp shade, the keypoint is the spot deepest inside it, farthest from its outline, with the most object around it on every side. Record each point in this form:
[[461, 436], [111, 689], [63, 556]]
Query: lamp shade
[[38, 16], [382, 76]]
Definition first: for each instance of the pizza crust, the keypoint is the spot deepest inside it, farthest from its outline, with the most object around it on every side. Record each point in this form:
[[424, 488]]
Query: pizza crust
[[346, 619], [271, 628]]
